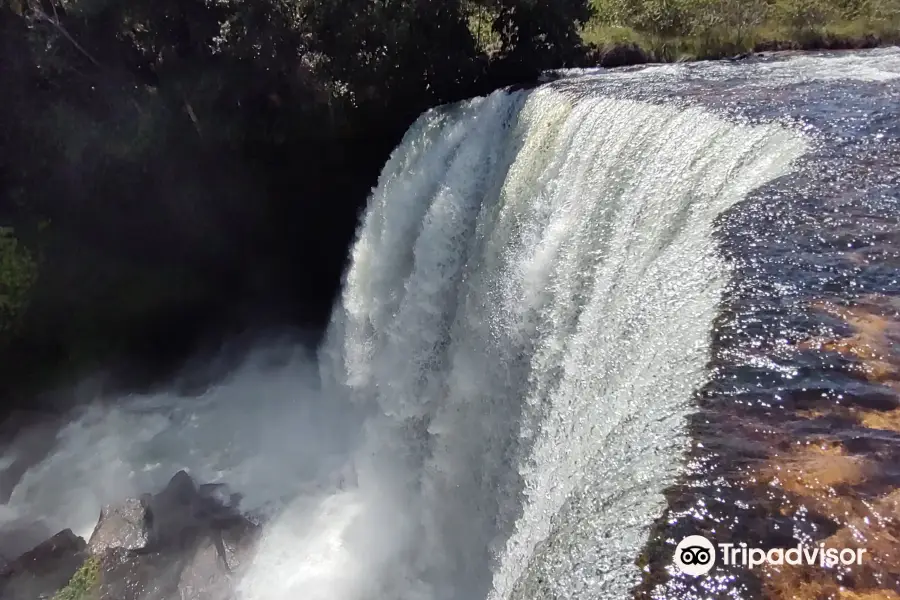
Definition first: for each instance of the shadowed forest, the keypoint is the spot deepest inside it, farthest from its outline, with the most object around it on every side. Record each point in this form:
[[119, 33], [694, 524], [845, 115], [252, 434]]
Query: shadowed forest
[[174, 172]]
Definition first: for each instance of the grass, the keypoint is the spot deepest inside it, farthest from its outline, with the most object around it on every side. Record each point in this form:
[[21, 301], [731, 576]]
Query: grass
[[84, 583], [601, 34], [674, 30]]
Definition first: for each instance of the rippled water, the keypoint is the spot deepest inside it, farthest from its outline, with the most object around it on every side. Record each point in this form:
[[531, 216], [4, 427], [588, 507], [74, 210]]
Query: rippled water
[[510, 430], [797, 434]]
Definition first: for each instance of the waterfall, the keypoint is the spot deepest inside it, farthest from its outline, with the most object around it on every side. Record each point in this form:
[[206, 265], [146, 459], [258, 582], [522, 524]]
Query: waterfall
[[525, 318], [501, 397]]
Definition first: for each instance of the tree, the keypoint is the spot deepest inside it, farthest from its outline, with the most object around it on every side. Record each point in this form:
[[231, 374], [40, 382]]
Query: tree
[[192, 155], [18, 271], [540, 34]]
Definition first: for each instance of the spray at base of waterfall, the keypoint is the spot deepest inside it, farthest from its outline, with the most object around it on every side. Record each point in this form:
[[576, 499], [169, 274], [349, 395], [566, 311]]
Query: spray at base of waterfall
[[500, 399]]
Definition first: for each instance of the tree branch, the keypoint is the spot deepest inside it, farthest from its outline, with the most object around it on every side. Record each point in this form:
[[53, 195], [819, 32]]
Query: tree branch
[[193, 116], [40, 15]]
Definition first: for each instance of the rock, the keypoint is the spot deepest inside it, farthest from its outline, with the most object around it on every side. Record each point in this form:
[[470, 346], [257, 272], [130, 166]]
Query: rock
[[620, 55], [187, 542], [207, 569], [771, 46], [195, 541], [237, 544], [218, 493], [120, 526], [174, 516], [132, 575], [20, 535], [206, 575], [211, 571], [40, 572], [170, 513], [183, 511]]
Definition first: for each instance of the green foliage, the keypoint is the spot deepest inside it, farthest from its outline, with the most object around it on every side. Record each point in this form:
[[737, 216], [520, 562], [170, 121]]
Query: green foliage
[[481, 18], [540, 33], [18, 271], [84, 583], [803, 15], [679, 29], [193, 154], [603, 35]]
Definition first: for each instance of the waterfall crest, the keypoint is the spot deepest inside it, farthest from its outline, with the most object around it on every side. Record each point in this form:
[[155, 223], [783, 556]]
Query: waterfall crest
[[525, 318]]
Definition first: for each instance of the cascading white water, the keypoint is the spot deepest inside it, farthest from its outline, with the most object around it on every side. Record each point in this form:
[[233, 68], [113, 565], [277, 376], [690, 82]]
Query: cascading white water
[[527, 314]]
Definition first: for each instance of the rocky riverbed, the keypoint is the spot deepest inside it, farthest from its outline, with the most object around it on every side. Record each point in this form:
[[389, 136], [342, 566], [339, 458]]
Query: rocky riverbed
[[187, 541]]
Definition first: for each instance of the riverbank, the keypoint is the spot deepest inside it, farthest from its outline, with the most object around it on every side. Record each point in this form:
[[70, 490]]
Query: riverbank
[[687, 30], [161, 194], [628, 52]]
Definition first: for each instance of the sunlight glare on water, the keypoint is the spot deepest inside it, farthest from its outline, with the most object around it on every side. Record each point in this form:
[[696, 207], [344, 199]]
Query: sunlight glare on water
[[508, 381]]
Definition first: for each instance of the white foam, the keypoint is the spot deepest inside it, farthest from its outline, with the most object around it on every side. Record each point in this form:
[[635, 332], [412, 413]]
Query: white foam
[[499, 402], [528, 312], [878, 65]]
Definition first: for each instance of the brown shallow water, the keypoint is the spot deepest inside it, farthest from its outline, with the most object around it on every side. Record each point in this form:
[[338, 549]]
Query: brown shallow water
[[825, 468], [797, 434], [531, 465]]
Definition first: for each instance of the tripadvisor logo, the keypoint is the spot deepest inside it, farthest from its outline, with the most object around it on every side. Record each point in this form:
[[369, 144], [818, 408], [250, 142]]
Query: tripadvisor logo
[[695, 555]]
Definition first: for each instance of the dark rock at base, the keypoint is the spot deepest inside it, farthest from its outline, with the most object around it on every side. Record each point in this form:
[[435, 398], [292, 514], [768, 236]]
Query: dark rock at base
[[130, 575], [183, 511], [42, 571], [771, 46], [196, 541], [237, 544], [187, 542], [204, 576], [172, 518], [210, 572], [205, 570], [170, 514], [617, 55], [120, 526], [21, 535]]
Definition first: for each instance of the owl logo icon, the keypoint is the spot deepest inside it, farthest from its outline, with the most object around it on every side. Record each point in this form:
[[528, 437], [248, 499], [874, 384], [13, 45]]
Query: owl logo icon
[[695, 555]]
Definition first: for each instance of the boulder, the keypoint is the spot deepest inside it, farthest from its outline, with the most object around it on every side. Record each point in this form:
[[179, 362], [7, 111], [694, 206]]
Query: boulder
[[619, 54], [209, 574], [187, 542], [173, 517], [208, 569], [194, 542], [43, 570], [120, 526], [184, 511], [236, 545], [135, 575], [171, 514], [19, 535]]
